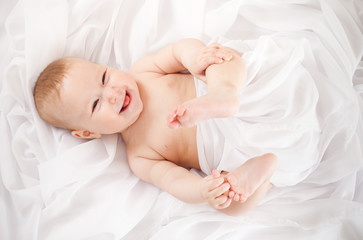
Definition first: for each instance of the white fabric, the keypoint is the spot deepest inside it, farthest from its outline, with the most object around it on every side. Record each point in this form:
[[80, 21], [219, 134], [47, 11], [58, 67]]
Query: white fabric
[[56, 187], [284, 109]]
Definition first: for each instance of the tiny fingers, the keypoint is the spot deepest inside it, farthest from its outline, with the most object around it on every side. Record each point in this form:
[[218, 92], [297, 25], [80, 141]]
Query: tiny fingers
[[216, 183], [222, 202], [226, 204], [223, 54], [216, 56], [216, 173], [214, 45], [219, 201], [220, 190], [216, 49]]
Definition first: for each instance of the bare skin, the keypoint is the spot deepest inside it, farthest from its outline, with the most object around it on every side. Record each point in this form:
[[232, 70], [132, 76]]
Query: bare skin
[[220, 101], [155, 109], [199, 109], [248, 177]]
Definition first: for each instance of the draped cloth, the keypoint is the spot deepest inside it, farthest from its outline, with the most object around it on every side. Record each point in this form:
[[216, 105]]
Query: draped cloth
[[302, 99]]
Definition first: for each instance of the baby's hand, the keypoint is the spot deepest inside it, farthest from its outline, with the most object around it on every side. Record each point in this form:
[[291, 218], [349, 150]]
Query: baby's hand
[[214, 189], [214, 53]]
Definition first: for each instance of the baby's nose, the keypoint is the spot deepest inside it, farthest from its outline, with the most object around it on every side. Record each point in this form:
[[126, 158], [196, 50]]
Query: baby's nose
[[112, 98], [113, 95]]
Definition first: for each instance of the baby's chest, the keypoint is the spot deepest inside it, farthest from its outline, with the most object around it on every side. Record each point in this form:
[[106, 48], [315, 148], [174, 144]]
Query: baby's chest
[[171, 144], [160, 98]]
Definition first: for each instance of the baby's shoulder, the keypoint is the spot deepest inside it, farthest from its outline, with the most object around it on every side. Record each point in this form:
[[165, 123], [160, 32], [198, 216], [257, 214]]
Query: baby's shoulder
[[139, 147], [146, 65]]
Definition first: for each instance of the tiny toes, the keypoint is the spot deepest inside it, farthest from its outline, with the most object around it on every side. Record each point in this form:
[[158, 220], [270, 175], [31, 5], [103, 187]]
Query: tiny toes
[[219, 60], [171, 117], [180, 110], [228, 58], [172, 121], [231, 194], [242, 198]]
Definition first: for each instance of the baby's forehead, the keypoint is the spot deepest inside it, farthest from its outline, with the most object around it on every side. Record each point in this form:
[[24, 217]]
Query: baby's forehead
[[79, 81]]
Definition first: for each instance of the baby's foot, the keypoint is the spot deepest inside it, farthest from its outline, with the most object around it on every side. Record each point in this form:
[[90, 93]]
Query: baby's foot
[[245, 179], [205, 107]]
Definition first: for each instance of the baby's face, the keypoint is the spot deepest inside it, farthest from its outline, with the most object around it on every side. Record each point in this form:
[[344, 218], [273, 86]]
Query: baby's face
[[100, 99]]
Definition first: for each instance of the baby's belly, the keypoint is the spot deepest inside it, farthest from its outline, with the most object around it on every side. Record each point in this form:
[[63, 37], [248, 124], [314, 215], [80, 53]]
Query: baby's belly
[[182, 148], [178, 146]]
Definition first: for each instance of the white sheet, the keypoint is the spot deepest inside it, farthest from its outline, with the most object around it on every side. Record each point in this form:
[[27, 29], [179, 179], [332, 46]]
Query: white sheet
[[56, 187]]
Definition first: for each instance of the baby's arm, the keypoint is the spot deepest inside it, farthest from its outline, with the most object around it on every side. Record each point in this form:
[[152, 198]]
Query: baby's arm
[[186, 54], [181, 183]]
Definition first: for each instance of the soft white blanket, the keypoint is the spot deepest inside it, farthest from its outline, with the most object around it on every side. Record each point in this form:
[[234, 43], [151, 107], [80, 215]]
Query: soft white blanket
[[54, 186]]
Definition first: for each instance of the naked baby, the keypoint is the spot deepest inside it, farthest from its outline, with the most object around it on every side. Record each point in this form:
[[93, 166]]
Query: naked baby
[[155, 108]]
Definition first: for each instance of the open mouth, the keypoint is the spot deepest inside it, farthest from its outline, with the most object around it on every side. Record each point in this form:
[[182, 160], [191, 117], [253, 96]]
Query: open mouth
[[126, 103]]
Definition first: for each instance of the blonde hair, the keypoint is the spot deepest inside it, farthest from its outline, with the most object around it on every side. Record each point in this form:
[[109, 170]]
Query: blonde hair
[[47, 92]]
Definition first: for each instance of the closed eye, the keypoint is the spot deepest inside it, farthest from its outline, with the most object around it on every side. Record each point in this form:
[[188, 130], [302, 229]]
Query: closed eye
[[104, 77], [103, 83], [94, 105]]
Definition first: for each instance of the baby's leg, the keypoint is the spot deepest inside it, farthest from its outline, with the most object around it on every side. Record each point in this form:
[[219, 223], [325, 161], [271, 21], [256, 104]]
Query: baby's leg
[[205, 107], [224, 82], [248, 177]]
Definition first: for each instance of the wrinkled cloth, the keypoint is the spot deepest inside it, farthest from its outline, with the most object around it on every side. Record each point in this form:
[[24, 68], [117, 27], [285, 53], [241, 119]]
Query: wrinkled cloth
[[53, 186], [294, 103]]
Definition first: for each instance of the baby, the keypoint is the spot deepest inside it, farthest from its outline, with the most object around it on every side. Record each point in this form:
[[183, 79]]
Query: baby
[[155, 108]]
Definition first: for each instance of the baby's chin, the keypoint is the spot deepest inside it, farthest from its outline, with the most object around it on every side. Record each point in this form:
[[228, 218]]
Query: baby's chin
[[125, 122], [137, 111], [133, 120]]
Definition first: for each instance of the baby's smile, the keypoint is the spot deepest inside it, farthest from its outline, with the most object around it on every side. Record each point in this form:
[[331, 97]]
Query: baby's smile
[[126, 102]]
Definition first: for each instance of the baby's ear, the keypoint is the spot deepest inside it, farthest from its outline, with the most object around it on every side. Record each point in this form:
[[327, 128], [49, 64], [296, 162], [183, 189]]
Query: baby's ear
[[85, 134]]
